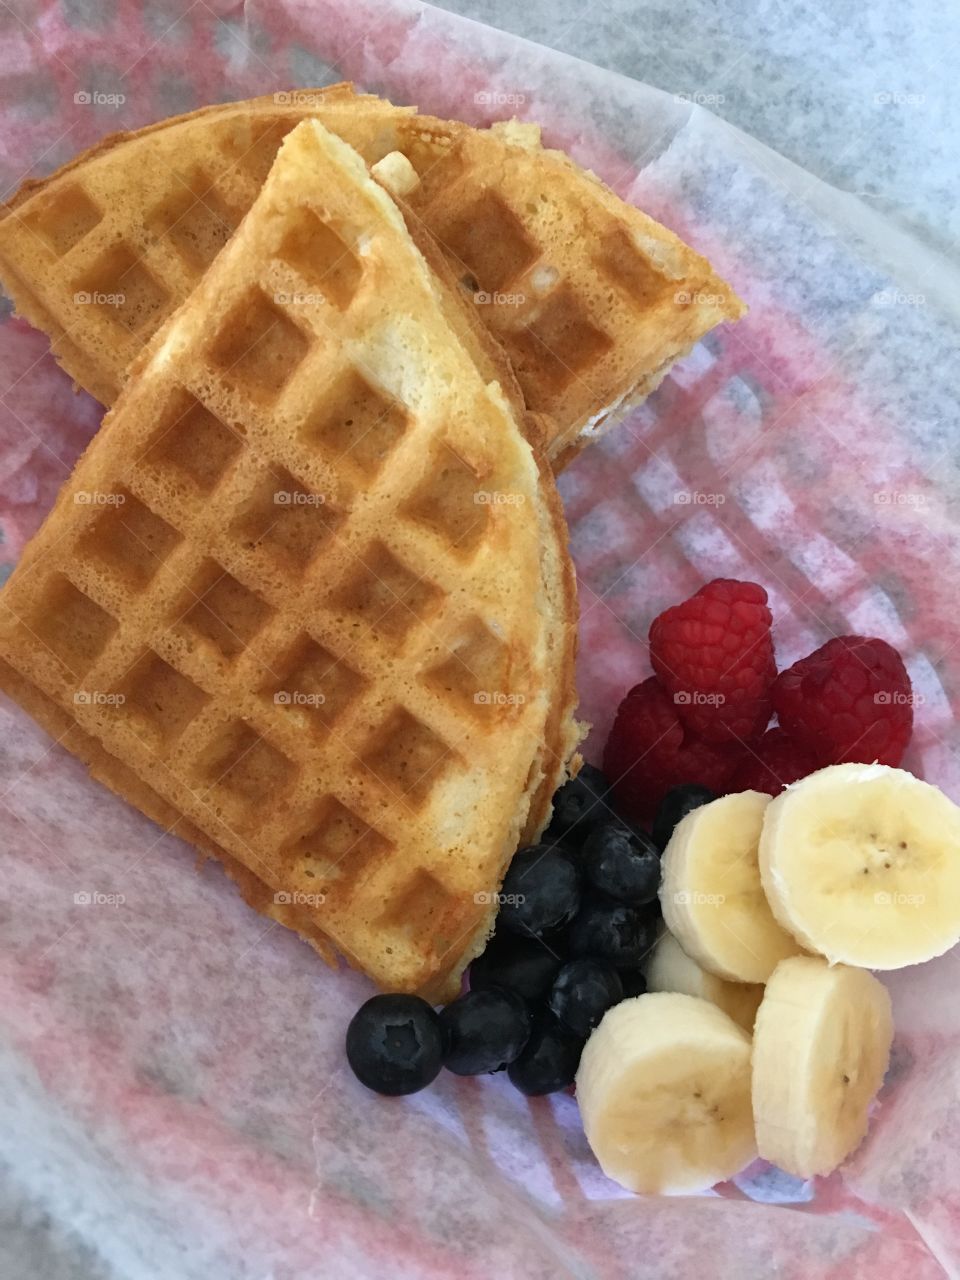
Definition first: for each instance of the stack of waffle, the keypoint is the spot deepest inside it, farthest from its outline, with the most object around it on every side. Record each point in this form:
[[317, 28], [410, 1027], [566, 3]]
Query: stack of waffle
[[306, 599]]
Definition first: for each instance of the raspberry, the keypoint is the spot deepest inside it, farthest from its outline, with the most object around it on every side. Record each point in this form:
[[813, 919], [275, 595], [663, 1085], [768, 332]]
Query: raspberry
[[649, 751], [714, 655], [772, 764], [850, 701]]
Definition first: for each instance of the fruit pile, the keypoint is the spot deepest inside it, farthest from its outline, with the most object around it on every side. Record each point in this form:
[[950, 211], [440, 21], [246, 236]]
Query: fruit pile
[[689, 942], [579, 915], [703, 716]]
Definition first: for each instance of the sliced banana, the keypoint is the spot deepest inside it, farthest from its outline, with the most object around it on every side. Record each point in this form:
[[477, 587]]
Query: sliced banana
[[862, 864], [821, 1045], [712, 897], [669, 968], [664, 1093]]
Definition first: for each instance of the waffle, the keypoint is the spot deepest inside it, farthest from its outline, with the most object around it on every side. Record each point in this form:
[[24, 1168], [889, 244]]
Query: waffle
[[306, 599], [592, 300]]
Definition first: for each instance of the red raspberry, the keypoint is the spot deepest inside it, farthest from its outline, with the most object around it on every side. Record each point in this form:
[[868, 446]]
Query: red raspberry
[[649, 751], [714, 654], [772, 764], [850, 701]]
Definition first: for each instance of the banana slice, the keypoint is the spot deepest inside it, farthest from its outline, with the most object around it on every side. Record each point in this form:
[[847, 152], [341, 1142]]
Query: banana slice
[[664, 1093], [862, 863], [821, 1046], [713, 901], [671, 969]]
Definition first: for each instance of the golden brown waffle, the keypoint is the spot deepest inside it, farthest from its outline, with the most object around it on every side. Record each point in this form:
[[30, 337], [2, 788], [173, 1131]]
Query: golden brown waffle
[[306, 598], [592, 299]]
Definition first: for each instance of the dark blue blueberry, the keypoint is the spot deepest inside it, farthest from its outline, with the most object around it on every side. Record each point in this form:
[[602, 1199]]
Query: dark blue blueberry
[[394, 1044], [579, 806], [550, 1060], [676, 804], [622, 862], [612, 931], [583, 992], [484, 1031], [541, 891], [524, 965]]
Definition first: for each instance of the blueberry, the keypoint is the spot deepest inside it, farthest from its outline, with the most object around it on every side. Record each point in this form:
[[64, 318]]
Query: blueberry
[[541, 891], [550, 1060], [634, 983], [612, 931], [578, 807], [676, 804], [524, 965], [484, 1031], [582, 994], [623, 863], [394, 1044]]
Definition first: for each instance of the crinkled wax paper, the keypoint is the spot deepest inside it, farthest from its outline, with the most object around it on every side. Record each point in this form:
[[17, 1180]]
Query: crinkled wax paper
[[173, 1089]]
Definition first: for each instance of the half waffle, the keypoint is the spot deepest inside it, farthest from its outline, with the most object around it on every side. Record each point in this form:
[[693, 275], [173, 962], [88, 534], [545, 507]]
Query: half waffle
[[306, 598], [593, 300]]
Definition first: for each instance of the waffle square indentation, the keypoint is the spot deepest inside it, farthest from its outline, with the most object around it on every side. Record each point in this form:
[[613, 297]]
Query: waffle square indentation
[[623, 263], [385, 595], [451, 501], [312, 684], [476, 674], [321, 256], [122, 288], [407, 757], [558, 343], [70, 624], [161, 700], [194, 218], [128, 539], [259, 347], [338, 850], [191, 441], [492, 242], [357, 424], [65, 218], [286, 521], [222, 611], [245, 765]]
